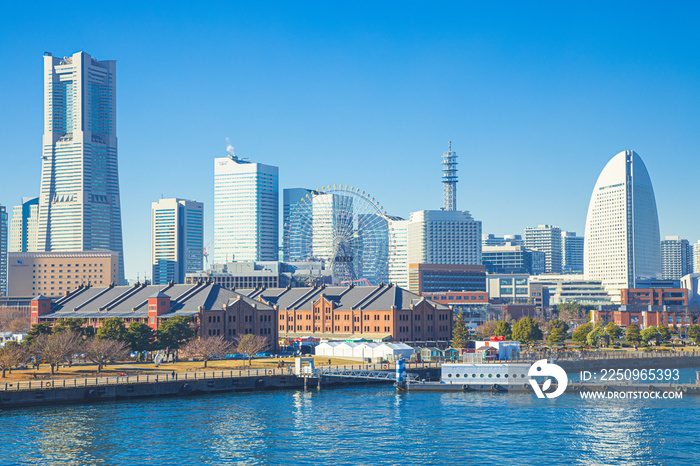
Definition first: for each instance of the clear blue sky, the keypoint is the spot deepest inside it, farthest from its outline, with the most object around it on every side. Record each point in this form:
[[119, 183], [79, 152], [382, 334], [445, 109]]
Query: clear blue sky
[[536, 98]]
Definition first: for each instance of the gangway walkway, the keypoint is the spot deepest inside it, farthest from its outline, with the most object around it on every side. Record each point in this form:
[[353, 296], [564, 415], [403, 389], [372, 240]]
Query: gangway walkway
[[355, 374]]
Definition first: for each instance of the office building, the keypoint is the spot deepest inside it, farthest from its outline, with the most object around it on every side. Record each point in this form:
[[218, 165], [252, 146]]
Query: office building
[[646, 316], [290, 199], [3, 250], [55, 274], [246, 211], [431, 278], [177, 239], [571, 252], [444, 237], [546, 238], [621, 241], [655, 296], [513, 259], [571, 288], [79, 207], [676, 258], [398, 251], [23, 225], [505, 240]]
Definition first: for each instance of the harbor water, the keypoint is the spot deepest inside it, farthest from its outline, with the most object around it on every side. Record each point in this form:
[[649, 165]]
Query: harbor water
[[356, 425]]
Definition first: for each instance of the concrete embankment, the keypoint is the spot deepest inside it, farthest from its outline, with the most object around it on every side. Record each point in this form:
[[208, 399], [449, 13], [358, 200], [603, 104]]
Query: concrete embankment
[[630, 363], [53, 392]]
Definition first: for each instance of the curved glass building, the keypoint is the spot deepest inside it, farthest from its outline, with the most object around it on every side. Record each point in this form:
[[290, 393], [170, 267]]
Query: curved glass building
[[622, 226]]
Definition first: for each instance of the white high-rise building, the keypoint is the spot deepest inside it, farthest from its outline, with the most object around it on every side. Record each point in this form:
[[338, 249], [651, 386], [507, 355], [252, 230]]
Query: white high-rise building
[[23, 225], [571, 252], [398, 251], [695, 251], [444, 237], [246, 211], [676, 258], [621, 241], [546, 238], [177, 246], [79, 207]]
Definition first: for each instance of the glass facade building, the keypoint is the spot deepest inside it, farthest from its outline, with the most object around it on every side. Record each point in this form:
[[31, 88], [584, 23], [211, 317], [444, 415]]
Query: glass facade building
[[246, 211], [178, 239], [79, 206], [23, 225], [622, 242]]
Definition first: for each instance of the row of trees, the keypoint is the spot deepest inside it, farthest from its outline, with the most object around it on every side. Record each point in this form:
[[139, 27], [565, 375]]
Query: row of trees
[[526, 330], [172, 333]]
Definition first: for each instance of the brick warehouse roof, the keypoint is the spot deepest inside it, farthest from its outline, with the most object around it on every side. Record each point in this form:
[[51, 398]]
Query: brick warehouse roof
[[132, 301], [366, 298]]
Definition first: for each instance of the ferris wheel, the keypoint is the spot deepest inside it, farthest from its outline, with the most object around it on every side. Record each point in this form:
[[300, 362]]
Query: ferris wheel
[[345, 228]]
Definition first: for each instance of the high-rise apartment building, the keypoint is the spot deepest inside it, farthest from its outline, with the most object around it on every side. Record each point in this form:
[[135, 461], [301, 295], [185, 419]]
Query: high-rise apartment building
[[290, 199], [571, 252], [621, 242], [676, 258], [23, 225], [695, 252], [546, 238], [3, 250], [398, 251], [79, 207], [177, 239], [444, 237], [246, 211]]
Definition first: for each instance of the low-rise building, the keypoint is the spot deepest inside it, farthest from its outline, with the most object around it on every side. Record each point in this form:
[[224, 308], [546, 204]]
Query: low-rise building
[[655, 296], [54, 274], [647, 316]]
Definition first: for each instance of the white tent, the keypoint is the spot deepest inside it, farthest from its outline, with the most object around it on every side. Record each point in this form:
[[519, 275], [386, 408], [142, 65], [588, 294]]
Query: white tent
[[345, 349], [393, 351], [327, 348]]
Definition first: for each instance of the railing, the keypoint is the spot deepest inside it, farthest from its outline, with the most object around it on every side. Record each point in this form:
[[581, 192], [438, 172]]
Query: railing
[[359, 374], [163, 377]]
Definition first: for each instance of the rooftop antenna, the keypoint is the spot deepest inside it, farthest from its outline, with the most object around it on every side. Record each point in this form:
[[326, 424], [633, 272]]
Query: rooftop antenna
[[449, 178]]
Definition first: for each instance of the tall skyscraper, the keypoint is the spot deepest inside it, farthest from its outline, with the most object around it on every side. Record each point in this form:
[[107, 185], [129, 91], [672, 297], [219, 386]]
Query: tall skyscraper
[[449, 178], [398, 251], [177, 239], [23, 225], [79, 207], [546, 238], [676, 258], [3, 250], [571, 252], [621, 242], [290, 199], [246, 211], [444, 237], [695, 251]]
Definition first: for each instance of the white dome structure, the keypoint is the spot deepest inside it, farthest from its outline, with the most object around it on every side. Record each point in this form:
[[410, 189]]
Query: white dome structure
[[622, 242]]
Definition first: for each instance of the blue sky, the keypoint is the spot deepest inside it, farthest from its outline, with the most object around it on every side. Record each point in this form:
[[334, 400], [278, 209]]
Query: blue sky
[[536, 97]]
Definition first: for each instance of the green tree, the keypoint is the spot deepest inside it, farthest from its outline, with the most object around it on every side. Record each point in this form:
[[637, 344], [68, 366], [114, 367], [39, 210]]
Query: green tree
[[174, 332], [460, 332], [75, 324], [594, 335], [504, 329], [43, 328], [526, 331], [633, 335], [613, 330], [139, 337], [665, 333], [112, 329], [557, 336], [694, 333], [582, 332], [557, 323]]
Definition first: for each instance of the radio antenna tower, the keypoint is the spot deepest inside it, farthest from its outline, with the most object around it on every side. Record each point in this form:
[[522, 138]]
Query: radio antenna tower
[[449, 178]]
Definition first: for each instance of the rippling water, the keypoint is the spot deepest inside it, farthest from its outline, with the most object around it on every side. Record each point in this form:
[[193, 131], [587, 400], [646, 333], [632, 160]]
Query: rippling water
[[357, 425]]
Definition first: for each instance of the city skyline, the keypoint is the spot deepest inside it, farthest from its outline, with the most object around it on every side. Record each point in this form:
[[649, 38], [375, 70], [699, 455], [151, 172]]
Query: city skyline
[[527, 120]]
